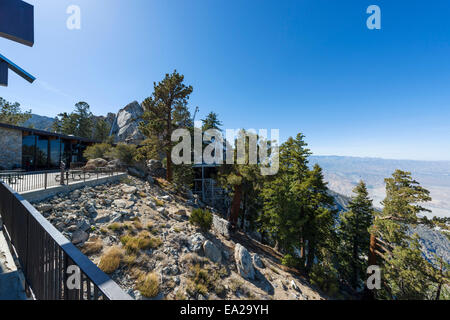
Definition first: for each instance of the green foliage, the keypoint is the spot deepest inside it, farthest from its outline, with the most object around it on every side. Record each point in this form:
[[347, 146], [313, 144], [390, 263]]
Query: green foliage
[[124, 152], [297, 212], [78, 123], [245, 182], [165, 111], [326, 278], [354, 237], [290, 261], [211, 122], [202, 219], [101, 130], [401, 207], [183, 177], [10, 113], [99, 150], [407, 273]]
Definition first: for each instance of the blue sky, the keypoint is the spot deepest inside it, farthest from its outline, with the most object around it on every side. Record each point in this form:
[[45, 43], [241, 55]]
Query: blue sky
[[308, 66]]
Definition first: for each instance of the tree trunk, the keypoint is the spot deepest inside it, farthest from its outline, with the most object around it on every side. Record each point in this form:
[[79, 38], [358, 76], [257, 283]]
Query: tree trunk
[[354, 266], [438, 293], [236, 204], [310, 259], [169, 173]]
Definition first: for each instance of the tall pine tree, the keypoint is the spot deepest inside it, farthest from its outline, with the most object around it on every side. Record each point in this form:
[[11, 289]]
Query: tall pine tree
[[354, 237], [165, 110]]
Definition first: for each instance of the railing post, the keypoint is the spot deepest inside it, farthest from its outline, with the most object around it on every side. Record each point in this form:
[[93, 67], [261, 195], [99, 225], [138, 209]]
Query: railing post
[[45, 181]]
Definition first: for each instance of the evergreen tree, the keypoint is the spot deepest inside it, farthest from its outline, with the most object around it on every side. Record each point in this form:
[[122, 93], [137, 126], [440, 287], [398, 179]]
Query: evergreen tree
[[354, 237], [245, 182], [297, 208], [101, 130], [65, 123], [78, 123], [83, 117], [211, 122], [10, 113], [406, 271], [165, 111]]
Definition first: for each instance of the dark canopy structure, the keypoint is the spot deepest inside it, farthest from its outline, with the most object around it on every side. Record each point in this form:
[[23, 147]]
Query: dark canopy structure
[[16, 24]]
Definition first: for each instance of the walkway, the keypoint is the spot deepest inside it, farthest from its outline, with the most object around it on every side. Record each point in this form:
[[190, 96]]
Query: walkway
[[11, 287]]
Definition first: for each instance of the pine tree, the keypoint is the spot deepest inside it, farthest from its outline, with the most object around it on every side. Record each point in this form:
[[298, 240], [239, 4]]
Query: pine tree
[[165, 111], [354, 237], [101, 130], [11, 113], [83, 116], [405, 269], [211, 122], [78, 123], [297, 208], [245, 182]]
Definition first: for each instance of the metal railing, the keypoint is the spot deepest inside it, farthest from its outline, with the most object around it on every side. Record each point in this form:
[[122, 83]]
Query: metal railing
[[29, 181], [45, 256]]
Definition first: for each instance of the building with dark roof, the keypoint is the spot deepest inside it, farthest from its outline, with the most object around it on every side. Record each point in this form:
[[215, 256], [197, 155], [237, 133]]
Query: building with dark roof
[[33, 150]]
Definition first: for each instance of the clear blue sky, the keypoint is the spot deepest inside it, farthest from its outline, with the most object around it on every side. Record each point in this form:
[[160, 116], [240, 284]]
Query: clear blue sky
[[308, 66]]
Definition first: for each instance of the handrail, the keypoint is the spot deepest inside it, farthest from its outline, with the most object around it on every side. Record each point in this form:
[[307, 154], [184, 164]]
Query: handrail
[[45, 254]]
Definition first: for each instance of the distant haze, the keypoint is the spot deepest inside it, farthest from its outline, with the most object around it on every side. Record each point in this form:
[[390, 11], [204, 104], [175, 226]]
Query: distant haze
[[343, 173]]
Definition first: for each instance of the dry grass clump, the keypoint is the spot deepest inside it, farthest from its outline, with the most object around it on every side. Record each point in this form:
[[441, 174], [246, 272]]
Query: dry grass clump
[[142, 241], [111, 259], [129, 259], [180, 295], [116, 227], [148, 285], [204, 279], [94, 245], [137, 224], [159, 203]]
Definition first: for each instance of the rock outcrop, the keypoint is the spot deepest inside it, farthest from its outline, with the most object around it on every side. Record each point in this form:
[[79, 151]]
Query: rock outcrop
[[126, 125], [244, 262]]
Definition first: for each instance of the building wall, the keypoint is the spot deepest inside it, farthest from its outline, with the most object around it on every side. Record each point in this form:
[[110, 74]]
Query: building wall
[[10, 148]]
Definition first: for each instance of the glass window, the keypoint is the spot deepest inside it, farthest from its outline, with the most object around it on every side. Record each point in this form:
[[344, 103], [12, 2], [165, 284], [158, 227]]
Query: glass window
[[55, 152], [28, 152], [42, 153]]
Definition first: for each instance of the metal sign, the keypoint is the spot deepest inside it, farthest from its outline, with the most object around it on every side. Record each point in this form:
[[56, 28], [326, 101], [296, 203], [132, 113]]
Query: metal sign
[[17, 21]]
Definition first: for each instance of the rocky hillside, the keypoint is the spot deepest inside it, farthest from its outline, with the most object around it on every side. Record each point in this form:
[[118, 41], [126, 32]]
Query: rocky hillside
[[139, 233]]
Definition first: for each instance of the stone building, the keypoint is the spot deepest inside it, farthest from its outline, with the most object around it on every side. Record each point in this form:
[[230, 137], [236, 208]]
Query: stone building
[[32, 149]]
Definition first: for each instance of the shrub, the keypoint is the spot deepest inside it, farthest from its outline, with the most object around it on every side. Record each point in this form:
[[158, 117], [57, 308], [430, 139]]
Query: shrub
[[201, 218], [124, 152], [92, 246], [148, 285], [99, 150], [129, 259], [141, 242], [116, 227], [204, 279], [111, 259], [289, 261]]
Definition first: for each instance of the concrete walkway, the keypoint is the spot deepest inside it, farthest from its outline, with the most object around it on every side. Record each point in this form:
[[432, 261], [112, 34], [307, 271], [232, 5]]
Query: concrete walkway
[[11, 285]]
